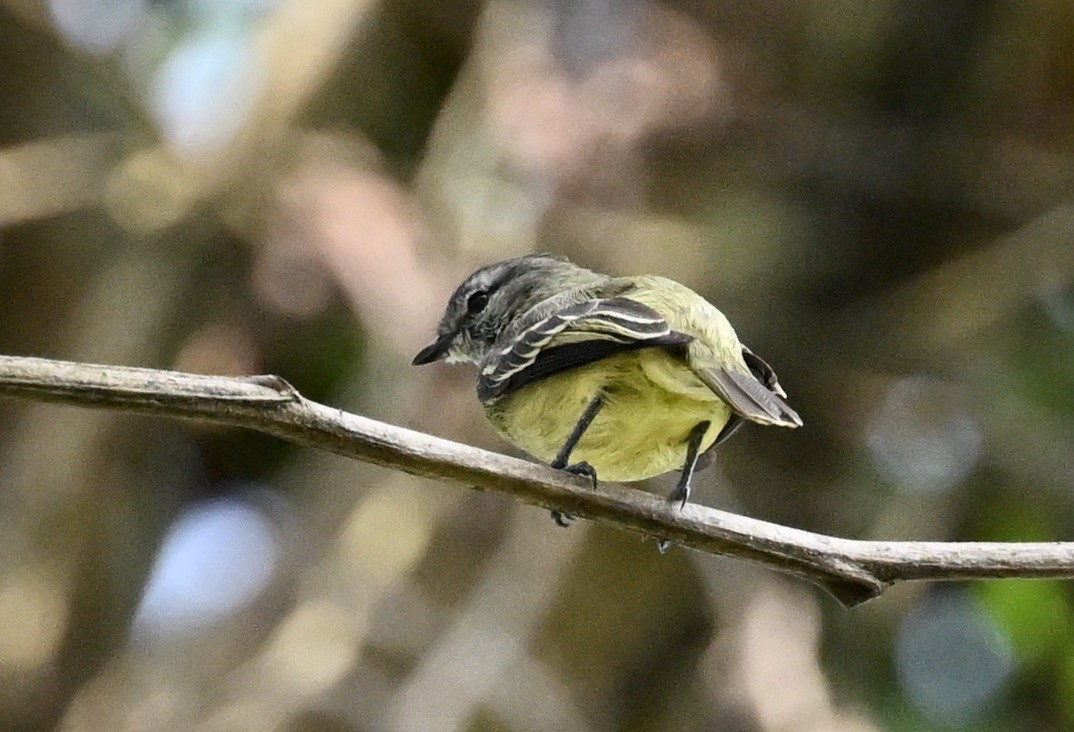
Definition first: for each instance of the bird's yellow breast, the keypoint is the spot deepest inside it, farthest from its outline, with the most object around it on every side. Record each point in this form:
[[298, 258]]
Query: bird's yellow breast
[[652, 402]]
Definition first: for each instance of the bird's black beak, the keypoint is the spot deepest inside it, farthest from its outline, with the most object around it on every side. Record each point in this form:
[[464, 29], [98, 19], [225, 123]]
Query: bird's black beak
[[434, 351]]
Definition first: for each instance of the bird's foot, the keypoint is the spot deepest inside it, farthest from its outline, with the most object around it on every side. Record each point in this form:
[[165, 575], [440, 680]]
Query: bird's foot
[[680, 495], [583, 468], [562, 519]]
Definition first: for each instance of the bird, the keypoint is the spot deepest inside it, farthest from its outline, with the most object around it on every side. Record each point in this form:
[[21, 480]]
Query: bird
[[624, 378]]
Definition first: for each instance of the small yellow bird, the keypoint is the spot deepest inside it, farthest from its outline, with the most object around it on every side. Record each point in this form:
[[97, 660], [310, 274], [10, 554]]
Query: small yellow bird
[[621, 377]]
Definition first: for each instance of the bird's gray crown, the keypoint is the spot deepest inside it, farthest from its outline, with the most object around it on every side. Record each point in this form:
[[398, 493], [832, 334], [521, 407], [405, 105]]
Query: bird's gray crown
[[489, 301]]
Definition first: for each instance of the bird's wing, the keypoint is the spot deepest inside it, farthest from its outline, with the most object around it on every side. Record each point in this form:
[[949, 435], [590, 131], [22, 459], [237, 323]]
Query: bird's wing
[[756, 398], [574, 336], [733, 373], [764, 373]]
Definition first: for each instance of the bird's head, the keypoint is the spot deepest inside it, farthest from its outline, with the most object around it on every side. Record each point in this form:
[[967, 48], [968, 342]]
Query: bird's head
[[486, 303]]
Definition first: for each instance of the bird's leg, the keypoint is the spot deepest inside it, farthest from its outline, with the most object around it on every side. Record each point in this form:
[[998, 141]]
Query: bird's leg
[[682, 489], [564, 456], [693, 451]]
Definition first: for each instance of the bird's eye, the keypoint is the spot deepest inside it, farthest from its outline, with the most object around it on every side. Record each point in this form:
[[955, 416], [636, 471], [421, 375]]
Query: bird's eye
[[477, 302]]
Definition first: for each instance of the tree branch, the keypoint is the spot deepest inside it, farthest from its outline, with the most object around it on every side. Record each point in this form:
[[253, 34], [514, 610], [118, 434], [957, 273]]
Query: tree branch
[[853, 571]]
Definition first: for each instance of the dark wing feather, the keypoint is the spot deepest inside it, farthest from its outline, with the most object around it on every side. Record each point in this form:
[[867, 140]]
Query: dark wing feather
[[749, 397], [557, 359], [729, 429], [573, 337], [764, 373]]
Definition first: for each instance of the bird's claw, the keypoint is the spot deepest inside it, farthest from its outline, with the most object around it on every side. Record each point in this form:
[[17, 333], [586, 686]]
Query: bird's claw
[[583, 468], [679, 496]]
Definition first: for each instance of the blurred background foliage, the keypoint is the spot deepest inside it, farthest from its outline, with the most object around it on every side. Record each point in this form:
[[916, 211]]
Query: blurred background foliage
[[877, 194]]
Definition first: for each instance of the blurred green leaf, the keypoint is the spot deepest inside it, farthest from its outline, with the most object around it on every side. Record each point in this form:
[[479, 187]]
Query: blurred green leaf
[[1036, 616]]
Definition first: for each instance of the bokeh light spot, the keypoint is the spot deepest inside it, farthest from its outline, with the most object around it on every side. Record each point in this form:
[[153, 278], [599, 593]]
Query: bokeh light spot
[[204, 91], [314, 647], [951, 659], [217, 557], [386, 533], [921, 438], [96, 25], [33, 618]]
